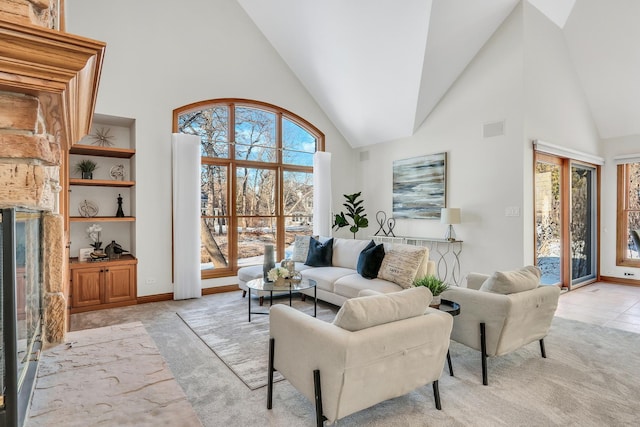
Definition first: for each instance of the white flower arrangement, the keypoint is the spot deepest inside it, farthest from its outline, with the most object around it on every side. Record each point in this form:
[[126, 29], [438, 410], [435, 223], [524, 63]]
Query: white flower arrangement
[[277, 272], [93, 231]]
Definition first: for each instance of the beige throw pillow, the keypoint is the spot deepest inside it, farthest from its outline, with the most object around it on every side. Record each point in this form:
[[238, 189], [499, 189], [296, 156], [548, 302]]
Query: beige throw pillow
[[511, 282], [365, 312], [400, 264]]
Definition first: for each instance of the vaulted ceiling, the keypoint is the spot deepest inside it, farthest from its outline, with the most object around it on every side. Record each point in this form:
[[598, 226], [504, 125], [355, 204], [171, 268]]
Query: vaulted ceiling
[[379, 67]]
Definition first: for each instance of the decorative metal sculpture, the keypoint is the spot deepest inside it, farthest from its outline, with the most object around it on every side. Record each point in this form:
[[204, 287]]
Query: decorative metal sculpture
[[381, 218], [102, 137]]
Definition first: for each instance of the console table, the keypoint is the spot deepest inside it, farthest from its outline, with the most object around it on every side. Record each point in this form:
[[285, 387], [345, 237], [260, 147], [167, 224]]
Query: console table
[[445, 253]]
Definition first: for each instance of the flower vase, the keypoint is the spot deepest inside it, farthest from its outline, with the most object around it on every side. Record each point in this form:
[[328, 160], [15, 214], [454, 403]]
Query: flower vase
[[269, 261], [280, 282]]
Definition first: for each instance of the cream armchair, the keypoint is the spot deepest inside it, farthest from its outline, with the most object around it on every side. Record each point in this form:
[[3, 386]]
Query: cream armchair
[[503, 312], [379, 347]]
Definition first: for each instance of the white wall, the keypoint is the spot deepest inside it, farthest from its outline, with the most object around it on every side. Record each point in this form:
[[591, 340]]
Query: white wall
[[484, 174], [162, 55], [613, 147]]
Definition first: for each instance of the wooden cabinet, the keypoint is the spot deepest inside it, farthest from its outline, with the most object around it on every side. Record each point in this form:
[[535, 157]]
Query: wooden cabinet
[[104, 284]]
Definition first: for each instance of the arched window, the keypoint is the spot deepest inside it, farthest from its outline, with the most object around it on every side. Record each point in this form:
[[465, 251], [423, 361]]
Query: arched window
[[256, 179]]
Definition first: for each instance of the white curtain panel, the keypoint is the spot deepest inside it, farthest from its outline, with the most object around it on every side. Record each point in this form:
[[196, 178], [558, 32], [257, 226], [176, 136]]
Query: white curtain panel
[[186, 216], [322, 194]]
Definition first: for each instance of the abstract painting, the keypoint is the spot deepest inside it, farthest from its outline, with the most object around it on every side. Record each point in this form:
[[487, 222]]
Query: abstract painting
[[420, 186]]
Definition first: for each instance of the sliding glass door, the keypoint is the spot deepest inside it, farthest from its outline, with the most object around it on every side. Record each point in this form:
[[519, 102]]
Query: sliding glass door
[[548, 215], [565, 221], [583, 223]]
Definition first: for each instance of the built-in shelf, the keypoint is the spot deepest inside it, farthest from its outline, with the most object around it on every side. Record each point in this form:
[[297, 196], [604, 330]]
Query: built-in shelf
[[102, 219], [101, 182], [94, 150]]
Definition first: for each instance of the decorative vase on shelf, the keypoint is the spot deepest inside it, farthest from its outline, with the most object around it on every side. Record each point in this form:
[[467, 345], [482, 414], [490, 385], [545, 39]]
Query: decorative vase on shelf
[[87, 175]]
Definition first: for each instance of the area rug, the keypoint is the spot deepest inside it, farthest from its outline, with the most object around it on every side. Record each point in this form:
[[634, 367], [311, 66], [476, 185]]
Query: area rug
[[591, 376], [243, 346]]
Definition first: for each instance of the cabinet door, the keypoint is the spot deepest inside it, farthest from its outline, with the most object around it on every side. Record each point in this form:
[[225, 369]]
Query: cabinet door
[[87, 286], [120, 281]]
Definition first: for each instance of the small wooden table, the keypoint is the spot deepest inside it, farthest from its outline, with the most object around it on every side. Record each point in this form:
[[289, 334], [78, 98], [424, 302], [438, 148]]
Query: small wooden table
[[261, 285], [453, 308]]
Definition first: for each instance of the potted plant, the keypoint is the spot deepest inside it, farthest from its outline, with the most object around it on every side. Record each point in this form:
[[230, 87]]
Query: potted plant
[[355, 212], [86, 168], [435, 285]]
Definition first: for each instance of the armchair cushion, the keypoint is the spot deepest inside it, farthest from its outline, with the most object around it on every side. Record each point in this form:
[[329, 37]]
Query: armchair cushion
[[365, 312], [511, 282]]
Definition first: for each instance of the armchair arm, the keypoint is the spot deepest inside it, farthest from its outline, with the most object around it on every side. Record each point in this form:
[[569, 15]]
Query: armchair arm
[[302, 344], [478, 307], [530, 317]]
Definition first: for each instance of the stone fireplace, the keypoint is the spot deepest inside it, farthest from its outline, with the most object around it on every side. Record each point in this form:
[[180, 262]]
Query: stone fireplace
[[48, 87]]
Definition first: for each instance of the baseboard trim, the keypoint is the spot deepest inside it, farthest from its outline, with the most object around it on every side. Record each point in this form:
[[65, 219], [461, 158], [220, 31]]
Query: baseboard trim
[[220, 289], [169, 295], [620, 281]]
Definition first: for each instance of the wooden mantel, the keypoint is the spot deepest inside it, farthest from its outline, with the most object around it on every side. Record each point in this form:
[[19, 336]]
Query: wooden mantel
[[62, 70]]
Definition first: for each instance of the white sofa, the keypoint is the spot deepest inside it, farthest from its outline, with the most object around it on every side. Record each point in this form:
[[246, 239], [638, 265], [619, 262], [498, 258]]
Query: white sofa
[[379, 347], [341, 281]]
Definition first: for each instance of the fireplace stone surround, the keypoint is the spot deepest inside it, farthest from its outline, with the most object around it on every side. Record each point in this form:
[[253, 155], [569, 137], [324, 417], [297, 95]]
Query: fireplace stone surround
[[48, 89]]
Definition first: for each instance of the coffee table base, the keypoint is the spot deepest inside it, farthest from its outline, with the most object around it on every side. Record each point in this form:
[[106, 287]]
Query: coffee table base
[[315, 302]]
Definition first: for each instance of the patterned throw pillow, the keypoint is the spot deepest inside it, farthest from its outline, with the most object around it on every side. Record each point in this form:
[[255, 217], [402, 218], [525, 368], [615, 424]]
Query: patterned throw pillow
[[300, 248], [400, 265]]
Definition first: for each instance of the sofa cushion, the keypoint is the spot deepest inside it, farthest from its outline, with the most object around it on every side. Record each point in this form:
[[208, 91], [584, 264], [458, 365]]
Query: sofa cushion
[[250, 272], [366, 312], [511, 282], [346, 252], [351, 285], [325, 277], [370, 260], [320, 254], [301, 248], [401, 264]]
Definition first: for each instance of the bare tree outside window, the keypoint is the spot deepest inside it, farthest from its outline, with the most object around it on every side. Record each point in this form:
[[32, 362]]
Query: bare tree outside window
[[256, 176]]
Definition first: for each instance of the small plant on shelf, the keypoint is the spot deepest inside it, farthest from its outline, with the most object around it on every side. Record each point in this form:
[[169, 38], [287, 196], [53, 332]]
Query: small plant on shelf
[[86, 167], [435, 285]]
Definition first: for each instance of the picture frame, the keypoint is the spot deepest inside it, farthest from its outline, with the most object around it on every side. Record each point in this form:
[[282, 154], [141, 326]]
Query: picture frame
[[84, 254], [420, 186]]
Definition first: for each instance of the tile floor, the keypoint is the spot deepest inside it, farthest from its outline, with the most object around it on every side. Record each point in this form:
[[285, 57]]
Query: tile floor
[[604, 304]]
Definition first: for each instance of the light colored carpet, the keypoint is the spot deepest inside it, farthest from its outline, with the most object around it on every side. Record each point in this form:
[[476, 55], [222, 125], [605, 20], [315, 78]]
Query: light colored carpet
[[591, 377], [241, 345]]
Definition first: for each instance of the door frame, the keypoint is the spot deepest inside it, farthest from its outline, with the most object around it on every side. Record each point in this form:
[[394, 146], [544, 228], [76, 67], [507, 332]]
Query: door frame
[[565, 164]]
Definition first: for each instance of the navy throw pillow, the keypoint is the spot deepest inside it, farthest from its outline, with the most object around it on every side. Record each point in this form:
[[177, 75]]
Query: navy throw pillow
[[370, 260], [320, 254]]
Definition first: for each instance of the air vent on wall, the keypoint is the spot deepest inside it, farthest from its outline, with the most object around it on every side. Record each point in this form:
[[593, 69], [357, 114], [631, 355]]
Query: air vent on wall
[[493, 129], [364, 155]]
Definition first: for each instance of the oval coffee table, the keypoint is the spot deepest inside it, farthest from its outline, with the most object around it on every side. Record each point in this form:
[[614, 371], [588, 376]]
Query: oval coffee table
[[261, 285]]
